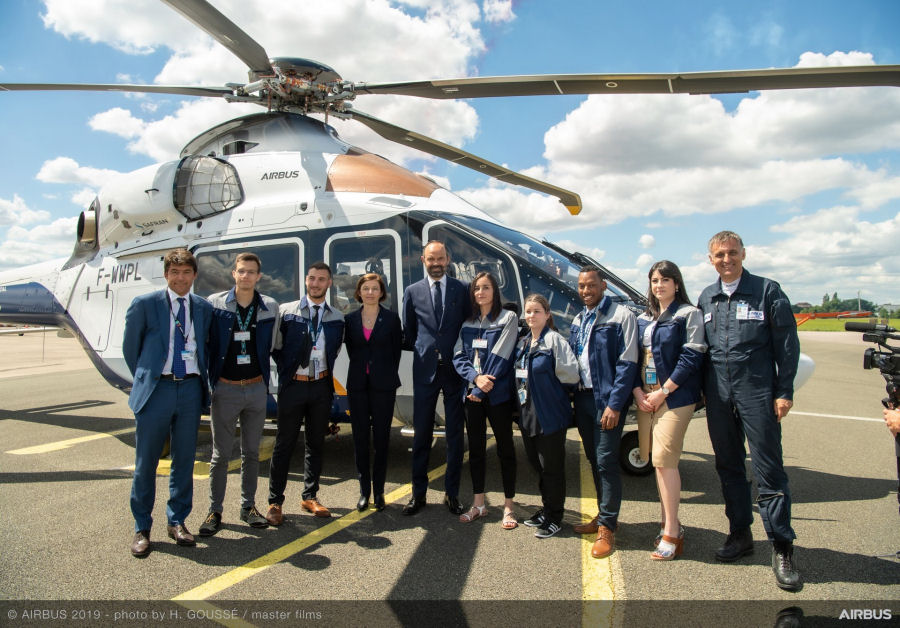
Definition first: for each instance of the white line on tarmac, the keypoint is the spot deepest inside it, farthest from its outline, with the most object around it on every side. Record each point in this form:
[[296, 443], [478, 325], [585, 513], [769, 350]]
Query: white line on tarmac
[[836, 416]]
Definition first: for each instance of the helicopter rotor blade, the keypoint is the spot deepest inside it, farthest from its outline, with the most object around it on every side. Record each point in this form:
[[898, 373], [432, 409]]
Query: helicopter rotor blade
[[737, 81], [184, 90], [394, 133], [210, 20]]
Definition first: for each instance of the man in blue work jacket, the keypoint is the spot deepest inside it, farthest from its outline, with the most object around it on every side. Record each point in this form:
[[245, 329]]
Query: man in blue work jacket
[[749, 384], [604, 339]]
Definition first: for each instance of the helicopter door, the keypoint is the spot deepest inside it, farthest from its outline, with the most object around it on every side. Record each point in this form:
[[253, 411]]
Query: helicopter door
[[353, 254], [92, 304]]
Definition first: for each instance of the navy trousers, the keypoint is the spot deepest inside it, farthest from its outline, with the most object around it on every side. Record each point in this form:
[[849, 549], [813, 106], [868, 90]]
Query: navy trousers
[[173, 410], [424, 403], [751, 414]]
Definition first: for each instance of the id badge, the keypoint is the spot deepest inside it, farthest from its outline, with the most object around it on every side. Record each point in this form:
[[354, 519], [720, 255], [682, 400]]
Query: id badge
[[313, 368], [242, 336], [187, 356], [243, 359], [523, 396], [522, 373], [743, 311], [650, 375], [479, 343]]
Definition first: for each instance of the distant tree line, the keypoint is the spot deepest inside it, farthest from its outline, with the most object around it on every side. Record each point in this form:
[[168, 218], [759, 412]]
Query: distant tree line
[[833, 303]]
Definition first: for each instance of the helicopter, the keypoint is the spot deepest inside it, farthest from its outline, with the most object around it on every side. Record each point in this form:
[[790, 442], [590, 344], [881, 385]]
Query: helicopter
[[284, 184]]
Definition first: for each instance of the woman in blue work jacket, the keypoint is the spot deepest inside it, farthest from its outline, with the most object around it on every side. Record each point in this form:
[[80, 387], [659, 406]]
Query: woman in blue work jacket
[[483, 357], [667, 390], [545, 364]]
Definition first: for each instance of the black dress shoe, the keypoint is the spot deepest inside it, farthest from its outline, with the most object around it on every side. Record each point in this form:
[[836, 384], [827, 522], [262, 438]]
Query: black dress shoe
[[414, 505], [379, 503], [786, 574], [363, 503], [180, 535], [738, 544], [141, 545], [453, 505]]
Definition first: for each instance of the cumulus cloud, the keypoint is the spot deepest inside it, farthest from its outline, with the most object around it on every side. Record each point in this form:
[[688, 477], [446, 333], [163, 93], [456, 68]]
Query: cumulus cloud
[[647, 241], [38, 244], [67, 170], [16, 212], [498, 11]]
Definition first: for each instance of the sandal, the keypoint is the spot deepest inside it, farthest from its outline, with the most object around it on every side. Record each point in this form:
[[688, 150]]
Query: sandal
[[662, 531], [669, 548], [475, 512], [509, 521]]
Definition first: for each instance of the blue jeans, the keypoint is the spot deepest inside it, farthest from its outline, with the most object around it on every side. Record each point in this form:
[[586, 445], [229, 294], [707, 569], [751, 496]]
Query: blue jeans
[[602, 450], [173, 410]]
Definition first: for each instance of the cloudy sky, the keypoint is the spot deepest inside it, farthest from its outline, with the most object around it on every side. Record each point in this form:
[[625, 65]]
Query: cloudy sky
[[810, 178]]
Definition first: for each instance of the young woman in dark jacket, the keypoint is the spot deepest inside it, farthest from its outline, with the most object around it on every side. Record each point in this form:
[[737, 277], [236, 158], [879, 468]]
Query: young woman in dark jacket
[[545, 364]]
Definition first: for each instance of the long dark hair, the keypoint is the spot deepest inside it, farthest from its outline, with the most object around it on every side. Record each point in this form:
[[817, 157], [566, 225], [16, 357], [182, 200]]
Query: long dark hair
[[496, 306], [671, 271]]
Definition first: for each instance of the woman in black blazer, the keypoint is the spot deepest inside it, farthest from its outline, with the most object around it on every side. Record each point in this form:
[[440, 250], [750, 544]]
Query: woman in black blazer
[[374, 344]]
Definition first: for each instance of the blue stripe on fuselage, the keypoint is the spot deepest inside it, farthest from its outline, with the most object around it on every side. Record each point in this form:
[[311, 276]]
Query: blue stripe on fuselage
[[33, 304]]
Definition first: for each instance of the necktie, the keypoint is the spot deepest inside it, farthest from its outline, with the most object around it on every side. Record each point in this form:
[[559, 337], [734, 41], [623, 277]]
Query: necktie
[[178, 368], [438, 303], [315, 320]]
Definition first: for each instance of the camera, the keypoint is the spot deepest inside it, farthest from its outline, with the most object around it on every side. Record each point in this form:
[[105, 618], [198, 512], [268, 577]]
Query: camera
[[884, 357]]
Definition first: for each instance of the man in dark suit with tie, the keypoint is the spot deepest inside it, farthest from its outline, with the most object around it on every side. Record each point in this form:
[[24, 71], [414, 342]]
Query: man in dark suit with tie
[[434, 309], [165, 349]]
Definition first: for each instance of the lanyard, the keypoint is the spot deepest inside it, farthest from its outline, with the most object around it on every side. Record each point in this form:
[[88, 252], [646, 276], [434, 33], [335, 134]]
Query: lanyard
[[243, 325], [184, 332], [584, 330]]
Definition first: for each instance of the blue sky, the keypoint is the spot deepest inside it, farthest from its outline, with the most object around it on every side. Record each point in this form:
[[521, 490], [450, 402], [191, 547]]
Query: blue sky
[[811, 179]]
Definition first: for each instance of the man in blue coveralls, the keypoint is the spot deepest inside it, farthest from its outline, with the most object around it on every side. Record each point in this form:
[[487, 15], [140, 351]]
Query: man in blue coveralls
[[749, 384]]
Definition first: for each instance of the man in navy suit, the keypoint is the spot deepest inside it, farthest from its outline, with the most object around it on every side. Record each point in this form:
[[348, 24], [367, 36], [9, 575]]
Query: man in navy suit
[[165, 349], [434, 309]]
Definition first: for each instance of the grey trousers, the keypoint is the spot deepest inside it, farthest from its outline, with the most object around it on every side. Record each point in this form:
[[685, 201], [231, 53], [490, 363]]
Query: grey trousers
[[231, 402]]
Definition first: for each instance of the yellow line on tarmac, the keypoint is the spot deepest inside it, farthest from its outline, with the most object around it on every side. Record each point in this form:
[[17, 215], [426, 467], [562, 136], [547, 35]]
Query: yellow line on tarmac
[[65, 444], [239, 574], [596, 574]]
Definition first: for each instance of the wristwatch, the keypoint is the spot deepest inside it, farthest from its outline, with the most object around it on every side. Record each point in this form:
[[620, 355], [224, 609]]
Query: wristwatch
[[665, 391]]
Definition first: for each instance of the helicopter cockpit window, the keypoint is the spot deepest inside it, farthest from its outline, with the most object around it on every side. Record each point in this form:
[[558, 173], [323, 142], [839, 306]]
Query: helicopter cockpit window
[[542, 270], [351, 257], [205, 186], [469, 256]]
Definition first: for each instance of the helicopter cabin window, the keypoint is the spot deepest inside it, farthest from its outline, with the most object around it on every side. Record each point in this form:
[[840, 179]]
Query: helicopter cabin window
[[470, 256], [350, 257], [205, 186], [280, 270]]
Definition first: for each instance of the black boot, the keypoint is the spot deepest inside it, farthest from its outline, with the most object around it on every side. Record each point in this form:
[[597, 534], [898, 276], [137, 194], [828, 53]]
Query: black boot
[[786, 575], [738, 543]]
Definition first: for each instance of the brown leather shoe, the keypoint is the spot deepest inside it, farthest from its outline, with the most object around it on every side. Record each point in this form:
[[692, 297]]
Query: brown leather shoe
[[605, 543], [274, 515], [590, 527], [313, 506], [141, 545], [180, 535]]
